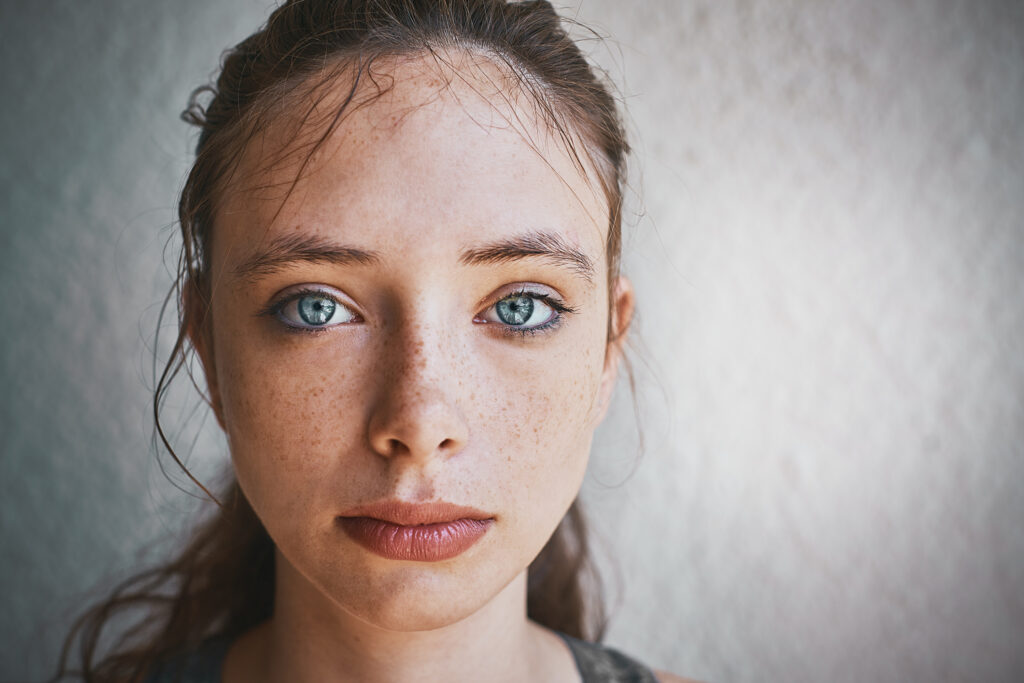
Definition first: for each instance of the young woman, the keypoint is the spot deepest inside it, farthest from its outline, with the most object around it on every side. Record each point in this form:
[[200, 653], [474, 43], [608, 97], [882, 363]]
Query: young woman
[[400, 273]]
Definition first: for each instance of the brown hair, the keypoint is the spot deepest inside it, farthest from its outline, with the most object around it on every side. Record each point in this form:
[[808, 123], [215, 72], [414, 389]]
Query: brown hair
[[223, 582]]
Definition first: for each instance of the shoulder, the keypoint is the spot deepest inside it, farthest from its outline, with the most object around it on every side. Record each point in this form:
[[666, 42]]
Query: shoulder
[[666, 677], [201, 665], [599, 663]]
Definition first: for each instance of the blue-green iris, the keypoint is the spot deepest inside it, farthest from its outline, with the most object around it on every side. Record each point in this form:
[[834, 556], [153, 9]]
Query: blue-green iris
[[316, 310], [515, 310]]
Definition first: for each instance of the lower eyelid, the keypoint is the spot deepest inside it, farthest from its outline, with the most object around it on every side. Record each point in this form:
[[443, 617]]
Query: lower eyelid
[[550, 326]]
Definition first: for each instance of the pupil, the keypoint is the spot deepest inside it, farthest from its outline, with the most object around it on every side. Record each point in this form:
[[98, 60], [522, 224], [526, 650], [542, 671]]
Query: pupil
[[515, 310], [315, 311]]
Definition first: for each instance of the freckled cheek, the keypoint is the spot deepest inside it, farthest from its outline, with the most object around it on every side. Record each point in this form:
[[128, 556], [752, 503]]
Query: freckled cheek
[[545, 419], [575, 377], [289, 414]]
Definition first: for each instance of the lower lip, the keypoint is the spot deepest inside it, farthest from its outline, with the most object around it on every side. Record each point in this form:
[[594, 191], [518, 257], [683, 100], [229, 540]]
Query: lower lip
[[421, 543]]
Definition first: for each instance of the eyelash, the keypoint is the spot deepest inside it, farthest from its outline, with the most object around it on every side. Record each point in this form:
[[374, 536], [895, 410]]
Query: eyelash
[[560, 308], [275, 308]]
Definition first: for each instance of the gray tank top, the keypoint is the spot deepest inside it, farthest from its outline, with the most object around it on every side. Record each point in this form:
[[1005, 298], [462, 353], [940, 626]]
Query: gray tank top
[[600, 664], [596, 664]]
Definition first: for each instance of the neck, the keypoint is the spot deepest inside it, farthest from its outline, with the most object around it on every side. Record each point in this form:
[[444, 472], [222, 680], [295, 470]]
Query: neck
[[310, 638]]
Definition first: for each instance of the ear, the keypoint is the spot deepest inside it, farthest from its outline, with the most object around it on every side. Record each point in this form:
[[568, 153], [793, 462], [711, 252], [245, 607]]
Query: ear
[[621, 317], [199, 329]]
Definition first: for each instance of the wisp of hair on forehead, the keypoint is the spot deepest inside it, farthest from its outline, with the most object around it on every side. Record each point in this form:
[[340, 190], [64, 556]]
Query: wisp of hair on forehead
[[222, 583]]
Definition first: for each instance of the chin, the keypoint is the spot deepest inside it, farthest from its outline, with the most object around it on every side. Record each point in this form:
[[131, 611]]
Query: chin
[[414, 599], [328, 575], [416, 616]]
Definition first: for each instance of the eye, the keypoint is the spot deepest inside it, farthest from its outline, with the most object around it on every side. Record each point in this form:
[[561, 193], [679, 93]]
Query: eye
[[526, 312], [523, 310], [311, 309]]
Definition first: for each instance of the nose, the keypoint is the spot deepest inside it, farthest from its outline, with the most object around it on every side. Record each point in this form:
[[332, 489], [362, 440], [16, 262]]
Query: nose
[[416, 412]]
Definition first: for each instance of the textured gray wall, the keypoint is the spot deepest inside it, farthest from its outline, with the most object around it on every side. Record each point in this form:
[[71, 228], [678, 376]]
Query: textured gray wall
[[830, 273]]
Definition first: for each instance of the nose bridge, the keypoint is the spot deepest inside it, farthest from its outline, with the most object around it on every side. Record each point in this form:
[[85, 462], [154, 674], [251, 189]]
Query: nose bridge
[[417, 411], [417, 344], [414, 354]]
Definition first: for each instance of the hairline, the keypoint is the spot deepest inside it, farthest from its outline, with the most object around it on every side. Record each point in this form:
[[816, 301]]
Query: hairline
[[271, 107]]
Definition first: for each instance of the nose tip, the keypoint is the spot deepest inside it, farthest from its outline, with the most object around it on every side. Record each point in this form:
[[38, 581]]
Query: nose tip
[[419, 427], [417, 413]]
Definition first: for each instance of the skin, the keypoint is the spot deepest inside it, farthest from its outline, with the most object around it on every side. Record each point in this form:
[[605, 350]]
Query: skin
[[417, 392]]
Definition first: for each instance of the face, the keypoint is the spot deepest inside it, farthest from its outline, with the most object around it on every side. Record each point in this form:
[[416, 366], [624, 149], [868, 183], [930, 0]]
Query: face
[[382, 333]]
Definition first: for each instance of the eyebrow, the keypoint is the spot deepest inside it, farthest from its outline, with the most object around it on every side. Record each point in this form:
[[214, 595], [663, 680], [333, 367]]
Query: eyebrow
[[549, 246], [284, 251]]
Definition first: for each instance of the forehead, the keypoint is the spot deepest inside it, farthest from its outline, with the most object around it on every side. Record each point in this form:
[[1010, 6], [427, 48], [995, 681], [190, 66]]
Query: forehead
[[453, 151]]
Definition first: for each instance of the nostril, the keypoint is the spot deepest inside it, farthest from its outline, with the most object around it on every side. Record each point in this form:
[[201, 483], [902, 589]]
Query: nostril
[[396, 447]]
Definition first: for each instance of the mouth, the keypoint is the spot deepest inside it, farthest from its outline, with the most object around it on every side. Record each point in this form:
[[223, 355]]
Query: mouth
[[419, 532]]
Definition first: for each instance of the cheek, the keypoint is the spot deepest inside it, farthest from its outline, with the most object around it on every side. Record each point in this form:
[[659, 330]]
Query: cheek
[[268, 403], [551, 405], [558, 402], [290, 414]]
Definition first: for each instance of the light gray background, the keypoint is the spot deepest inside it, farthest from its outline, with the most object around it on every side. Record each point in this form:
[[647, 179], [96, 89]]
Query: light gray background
[[831, 286]]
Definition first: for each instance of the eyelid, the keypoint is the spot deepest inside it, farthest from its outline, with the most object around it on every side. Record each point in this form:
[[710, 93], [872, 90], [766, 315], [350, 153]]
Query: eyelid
[[542, 293], [535, 289], [288, 295]]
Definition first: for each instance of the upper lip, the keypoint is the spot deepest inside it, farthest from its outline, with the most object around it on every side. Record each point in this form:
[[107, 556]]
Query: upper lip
[[412, 514]]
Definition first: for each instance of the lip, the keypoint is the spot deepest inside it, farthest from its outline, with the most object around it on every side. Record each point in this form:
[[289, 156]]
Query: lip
[[422, 532]]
